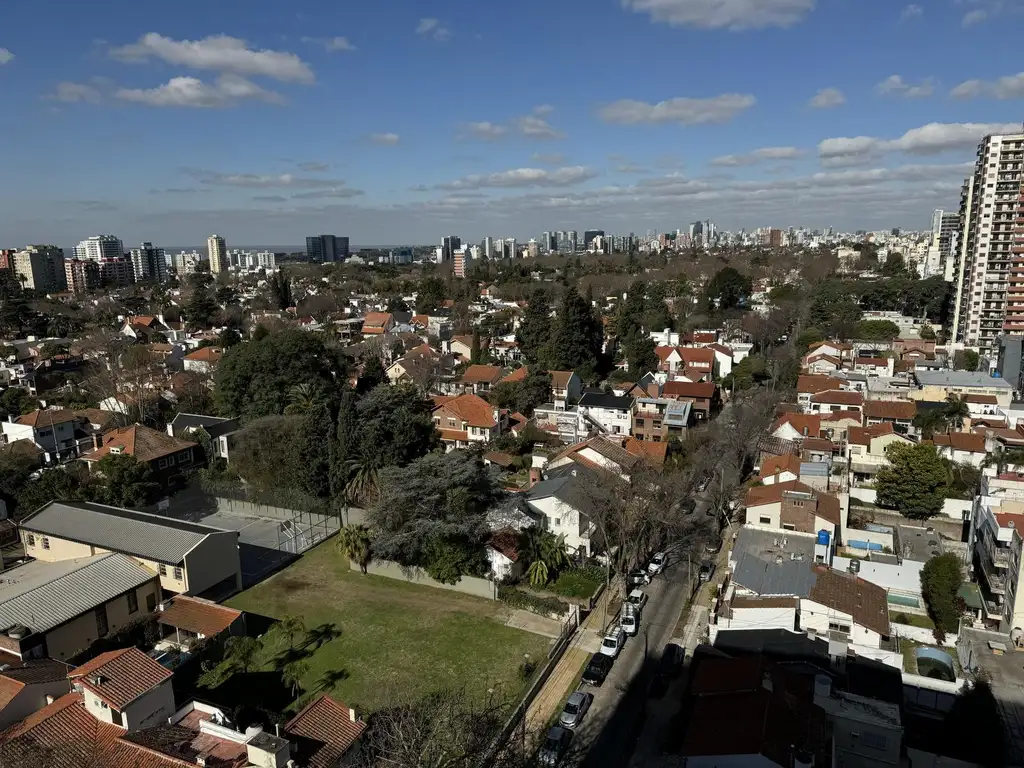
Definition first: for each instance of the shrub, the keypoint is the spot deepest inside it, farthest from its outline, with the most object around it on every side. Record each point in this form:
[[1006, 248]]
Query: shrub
[[579, 582], [517, 598]]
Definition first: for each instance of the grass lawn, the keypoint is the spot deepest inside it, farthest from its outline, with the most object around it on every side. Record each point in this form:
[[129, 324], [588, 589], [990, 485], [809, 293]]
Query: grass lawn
[[912, 619], [396, 640]]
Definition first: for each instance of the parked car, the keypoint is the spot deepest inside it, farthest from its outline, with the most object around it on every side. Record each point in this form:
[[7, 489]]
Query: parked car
[[638, 598], [613, 642], [575, 708], [636, 578], [555, 746], [707, 570], [657, 564], [630, 621], [713, 548], [597, 669]]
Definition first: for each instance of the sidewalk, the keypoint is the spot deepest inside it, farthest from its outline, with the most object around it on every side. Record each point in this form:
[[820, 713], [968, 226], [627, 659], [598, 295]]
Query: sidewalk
[[566, 673]]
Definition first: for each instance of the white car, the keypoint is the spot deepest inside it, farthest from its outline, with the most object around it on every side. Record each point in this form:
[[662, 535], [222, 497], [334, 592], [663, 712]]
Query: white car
[[657, 564], [613, 642], [630, 621], [638, 598]]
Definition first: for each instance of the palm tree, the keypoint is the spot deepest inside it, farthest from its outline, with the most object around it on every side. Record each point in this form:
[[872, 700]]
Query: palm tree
[[242, 651], [292, 626], [354, 542], [955, 411], [546, 554], [292, 675], [302, 398], [538, 573], [1003, 458], [361, 483]]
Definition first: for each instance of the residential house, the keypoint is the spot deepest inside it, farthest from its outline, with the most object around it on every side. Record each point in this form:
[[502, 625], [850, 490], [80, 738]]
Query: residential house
[[611, 415], [780, 469], [149, 328], [51, 431], [796, 426], [565, 423], [203, 360], [467, 419], [997, 550], [566, 388], [670, 359], [699, 338], [190, 558], [222, 431], [701, 359], [899, 413], [479, 379], [809, 385], [378, 323], [865, 450], [836, 425], [795, 506], [167, 456], [28, 687], [462, 347], [723, 360], [325, 734], [843, 602], [423, 367], [874, 366], [937, 386], [962, 447], [835, 348], [185, 620], [837, 400], [621, 455], [705, 397], [982, 406], [503, 555], [125, 688], [58, 609], [659, 419], [821, 364], [561, 503]]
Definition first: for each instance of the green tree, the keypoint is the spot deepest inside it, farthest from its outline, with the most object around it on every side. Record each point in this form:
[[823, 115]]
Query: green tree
[[534, 330], [914, 482], [806, 338], [315, 433], [201, 309], [373, 375], [522, 396], [475, 352], [354, 542], [280, 290], [876, 330], [545, 554], [640, 354], [242, 652], [941, 578], [728, 289], [927, 333], [578, 339], [448, 559], [125, 482], [431, 294], [302, 398], [293, 674], [396, 426], [292, 626], [966, 360], [266, 452], [254, 379]]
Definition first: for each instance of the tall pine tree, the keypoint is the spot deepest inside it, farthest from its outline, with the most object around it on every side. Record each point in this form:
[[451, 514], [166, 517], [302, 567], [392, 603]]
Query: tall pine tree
[[535, 327], [578, 338]]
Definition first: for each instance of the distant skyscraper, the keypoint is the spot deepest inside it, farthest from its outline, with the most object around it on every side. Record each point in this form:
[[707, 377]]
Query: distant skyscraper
[[571, 241], [549, 242], [987, 266], [116, 271], [99, 247], [217, 251], [589, 235], [489, 247], [149, 263], [324, 249], [460, 261], [81, 275], [41, 268], [449, 244]]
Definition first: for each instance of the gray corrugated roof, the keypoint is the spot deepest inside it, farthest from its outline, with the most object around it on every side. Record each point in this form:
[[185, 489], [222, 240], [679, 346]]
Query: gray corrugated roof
[[763, 577], [960, 379], [42, 595], [151, 537]]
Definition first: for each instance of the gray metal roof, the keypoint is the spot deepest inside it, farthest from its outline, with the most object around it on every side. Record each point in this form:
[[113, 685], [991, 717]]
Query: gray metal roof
[[790, 577], [151, 537], [960, 379], [42, 596], [215, 426]]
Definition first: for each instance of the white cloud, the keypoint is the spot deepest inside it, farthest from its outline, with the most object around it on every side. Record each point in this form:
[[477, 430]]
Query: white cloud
[[433, 29], [727, 14], [975, 17], [536, 127], [219, 53], [264, 181], [897, 86], [524, 177], [6, 57], [486, 130], [827, 98], [384, 139], [227, 90], [71, 93], [912, 11], [1008, 87], [313, 167], [685, 111], [927, 140], [339, 44], [555, 158], [765, 153]]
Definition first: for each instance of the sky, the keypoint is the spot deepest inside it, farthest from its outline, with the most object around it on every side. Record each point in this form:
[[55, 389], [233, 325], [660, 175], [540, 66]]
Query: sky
[[400, 121]]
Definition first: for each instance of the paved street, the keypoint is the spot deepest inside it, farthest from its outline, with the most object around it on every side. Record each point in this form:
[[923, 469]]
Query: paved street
[[609, 731]]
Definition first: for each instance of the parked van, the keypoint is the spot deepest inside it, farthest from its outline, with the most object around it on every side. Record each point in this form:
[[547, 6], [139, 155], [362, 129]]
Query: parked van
[[630, 619]]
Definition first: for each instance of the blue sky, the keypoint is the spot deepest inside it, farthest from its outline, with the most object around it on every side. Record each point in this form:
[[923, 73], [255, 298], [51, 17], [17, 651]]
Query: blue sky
[[403, 120]]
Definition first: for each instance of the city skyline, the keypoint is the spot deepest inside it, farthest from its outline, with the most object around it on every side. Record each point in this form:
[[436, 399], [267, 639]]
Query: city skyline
[[199, 132]]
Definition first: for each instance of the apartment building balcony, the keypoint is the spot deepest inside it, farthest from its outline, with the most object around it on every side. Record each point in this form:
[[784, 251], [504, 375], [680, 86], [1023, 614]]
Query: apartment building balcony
[[995, 578]]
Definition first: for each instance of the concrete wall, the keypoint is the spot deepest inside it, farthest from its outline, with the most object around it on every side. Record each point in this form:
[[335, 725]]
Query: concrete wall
[[469, 585], [68, 639], [31, 699], [213, 561], [920, 634], [951, 508]]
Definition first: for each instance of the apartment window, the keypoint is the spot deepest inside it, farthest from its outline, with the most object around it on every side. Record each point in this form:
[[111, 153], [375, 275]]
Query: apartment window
[[31, 540], [837, 627], [788, 527], [102, 627], [177, 574], [150, 602], [184, 456], [133, 602], [451, 422], [765, 520], [163, 463], [46, 542], [163, 569], [45, 432]]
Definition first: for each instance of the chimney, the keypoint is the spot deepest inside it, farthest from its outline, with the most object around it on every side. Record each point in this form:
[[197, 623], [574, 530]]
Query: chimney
[[351, 714], [535, 476]]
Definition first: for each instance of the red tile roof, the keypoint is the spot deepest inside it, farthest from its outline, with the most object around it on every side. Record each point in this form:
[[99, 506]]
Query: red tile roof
[[864, 435], [43, 418], [655, 453], [980, 399], [839, 397], [698, 356], [143, 443], [865, 602], [812, 383], [376, 319], [831, 416], [808, 424], [519, 374], [505, 541], [686, 389], [206, 355], [472, 409], [760, 495], [68, 735], [482, 374], [193, 614], [899, 409], [120, 677], [560, 379], [961, 441], [325, 730], [778, 464]]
